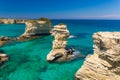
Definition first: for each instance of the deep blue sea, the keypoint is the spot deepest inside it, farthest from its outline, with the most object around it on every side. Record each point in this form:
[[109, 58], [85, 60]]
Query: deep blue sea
[[28, 59]]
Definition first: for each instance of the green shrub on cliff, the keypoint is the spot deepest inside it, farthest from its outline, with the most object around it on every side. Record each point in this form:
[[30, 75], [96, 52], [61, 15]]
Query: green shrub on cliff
[[41, 19], [61, 24]]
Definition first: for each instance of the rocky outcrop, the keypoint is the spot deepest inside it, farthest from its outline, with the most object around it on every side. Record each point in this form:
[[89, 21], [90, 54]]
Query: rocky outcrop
[[36, 28], [4, 40], [7, 21], [3, 57], [59, 52], [11, 21], [104, 64], [19, 21]]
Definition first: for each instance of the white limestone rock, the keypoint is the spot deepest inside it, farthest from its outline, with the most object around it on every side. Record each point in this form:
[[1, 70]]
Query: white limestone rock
[[104, 64]]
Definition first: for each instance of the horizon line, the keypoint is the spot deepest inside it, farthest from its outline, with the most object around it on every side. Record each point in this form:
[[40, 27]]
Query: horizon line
[[64, 18]]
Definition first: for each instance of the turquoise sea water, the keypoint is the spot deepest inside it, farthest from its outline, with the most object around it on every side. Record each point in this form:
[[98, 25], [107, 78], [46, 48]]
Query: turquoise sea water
[[28, 59]]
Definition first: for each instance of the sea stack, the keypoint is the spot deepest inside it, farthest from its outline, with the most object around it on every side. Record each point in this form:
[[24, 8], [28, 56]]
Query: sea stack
[[36, 28], [59, 52], [60, 33], [104, 64]]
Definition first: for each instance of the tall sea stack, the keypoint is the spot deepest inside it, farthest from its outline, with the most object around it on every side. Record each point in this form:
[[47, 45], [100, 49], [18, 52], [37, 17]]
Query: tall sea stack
[[104, 64], [60, 52], [60, 33]]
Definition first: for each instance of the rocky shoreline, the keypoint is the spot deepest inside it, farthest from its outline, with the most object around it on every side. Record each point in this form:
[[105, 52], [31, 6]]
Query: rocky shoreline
[[11, 21]]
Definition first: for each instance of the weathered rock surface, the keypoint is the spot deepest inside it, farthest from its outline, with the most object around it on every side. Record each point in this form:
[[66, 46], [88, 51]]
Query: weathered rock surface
[[34, 29], [37, 28], [4, 40], [3, 57], [19, 21], [59, 52], [7, 21], [104, 64], [11, 21]]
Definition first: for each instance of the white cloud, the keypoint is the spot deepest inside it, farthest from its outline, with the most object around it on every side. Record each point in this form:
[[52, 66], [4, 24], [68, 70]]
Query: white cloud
[[111, 16]]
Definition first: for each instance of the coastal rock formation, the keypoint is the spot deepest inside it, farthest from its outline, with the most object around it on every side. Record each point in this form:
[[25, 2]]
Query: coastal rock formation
[[59, 52], [3, 57], [104, 64], [11, 21], [35, 28], [7, 21], [4, 40], [19, 21]]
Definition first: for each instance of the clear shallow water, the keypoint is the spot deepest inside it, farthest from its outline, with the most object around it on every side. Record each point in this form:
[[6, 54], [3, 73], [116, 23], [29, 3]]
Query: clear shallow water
[[12, 30], [28, 59]]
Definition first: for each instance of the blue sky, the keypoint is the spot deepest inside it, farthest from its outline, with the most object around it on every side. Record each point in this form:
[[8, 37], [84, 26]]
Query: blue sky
[[61, 9]]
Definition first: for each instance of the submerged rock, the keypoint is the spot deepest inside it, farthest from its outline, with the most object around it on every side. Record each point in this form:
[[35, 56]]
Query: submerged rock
[[3, 57], [58, 52], [104, 64], [4, 40]]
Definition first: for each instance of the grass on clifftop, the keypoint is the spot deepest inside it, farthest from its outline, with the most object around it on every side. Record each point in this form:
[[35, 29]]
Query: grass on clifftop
[[44, 19]]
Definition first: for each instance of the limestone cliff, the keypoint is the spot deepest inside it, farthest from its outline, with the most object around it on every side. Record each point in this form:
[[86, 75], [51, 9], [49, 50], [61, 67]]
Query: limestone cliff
[[37, 28], [59, 52], [11, 21], [104, 64], [7, 21], [19, 21]]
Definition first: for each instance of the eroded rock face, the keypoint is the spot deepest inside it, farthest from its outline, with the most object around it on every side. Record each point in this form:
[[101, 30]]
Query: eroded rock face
[[34, 29], [11, 21], [37, 28], [104, 64], [4, 40], [7, 21], [60, 33], [59, 52], [19, 21], [3, 57]]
